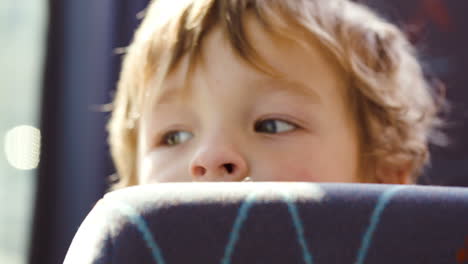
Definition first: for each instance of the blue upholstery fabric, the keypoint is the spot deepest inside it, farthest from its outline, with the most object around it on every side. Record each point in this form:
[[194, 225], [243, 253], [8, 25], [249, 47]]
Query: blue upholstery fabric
[[275, 223]]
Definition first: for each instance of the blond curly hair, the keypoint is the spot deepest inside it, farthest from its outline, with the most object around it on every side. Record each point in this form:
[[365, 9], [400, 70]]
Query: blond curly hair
[[390, 98]]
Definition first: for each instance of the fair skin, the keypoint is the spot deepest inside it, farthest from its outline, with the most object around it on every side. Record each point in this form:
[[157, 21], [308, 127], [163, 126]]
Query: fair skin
[[233, 121]]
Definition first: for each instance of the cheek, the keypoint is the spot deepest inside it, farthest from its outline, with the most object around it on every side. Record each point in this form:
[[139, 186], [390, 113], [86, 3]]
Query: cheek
[[306, 164], [309, 171], [147, 170], [289, 168], [300, 173], [154, 169]]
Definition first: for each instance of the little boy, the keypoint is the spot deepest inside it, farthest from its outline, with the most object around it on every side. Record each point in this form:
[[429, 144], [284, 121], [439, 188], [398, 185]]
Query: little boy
[[269, 90]]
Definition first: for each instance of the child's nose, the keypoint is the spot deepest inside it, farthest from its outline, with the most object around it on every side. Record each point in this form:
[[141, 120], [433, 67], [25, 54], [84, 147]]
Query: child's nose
[[218, 164]]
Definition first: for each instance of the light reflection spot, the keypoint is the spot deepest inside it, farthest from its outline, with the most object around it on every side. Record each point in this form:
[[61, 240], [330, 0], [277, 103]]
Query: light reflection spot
[[22, 147]]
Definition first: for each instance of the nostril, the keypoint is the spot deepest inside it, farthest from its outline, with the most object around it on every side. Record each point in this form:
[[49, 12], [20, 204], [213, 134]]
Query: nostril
[[229, 167], [199, 171]]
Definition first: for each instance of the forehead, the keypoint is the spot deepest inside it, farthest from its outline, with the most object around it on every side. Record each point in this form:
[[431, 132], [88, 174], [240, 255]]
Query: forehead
[[277, 62]]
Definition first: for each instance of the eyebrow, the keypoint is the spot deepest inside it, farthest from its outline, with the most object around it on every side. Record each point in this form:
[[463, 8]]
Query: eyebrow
[[288, 86], [172, 93]]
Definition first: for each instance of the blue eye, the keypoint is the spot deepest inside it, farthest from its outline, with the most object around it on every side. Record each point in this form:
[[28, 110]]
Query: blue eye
[[173, 138], [273, 126]]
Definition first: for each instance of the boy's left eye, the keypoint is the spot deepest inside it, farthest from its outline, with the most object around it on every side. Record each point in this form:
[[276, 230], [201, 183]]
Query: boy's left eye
[[274, 126]]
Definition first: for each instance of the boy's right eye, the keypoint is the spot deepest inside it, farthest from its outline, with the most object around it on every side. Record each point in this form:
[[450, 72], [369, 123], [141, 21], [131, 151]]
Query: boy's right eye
[[173, 138]]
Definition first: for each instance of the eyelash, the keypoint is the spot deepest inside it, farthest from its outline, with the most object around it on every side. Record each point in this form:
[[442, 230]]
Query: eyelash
[[166, 137], [290, 126]]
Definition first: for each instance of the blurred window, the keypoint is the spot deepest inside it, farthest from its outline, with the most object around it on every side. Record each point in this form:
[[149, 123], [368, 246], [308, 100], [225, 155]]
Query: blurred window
[[23, 37]]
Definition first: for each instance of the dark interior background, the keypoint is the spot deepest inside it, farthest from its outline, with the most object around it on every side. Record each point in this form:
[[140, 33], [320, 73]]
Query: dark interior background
[[80, 76]]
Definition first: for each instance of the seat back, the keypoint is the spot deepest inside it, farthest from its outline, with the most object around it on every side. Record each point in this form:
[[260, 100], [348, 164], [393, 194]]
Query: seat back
[[275, 223]]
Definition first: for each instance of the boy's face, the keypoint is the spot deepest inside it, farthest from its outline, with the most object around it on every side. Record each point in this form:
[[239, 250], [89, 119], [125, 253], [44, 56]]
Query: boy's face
[[233, 121]]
